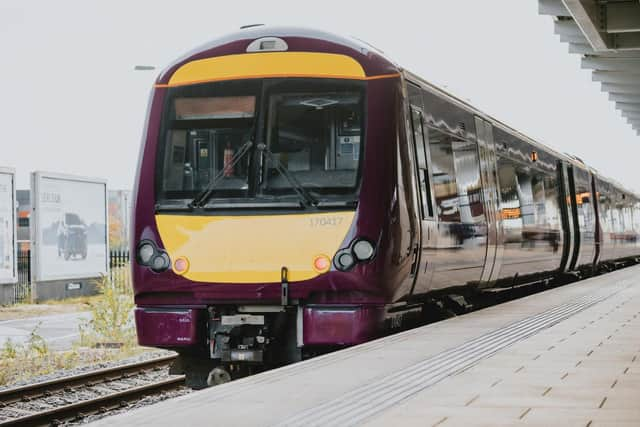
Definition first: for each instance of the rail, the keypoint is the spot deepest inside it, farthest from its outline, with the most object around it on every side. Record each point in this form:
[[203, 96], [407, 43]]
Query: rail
[[83, 407]]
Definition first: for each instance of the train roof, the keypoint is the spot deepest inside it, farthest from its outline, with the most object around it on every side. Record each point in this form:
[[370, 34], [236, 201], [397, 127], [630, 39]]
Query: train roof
[[372, 60], [574, 160], [467, 106]]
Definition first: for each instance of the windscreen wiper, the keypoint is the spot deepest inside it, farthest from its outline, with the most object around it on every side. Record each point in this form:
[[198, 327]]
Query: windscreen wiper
[[202, 198], [306, 198]]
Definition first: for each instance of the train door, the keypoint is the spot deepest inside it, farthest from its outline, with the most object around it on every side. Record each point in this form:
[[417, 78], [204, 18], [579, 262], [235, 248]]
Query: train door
[[577, 247], [569, 217], [424, 265], [490, 195], [597, 236]]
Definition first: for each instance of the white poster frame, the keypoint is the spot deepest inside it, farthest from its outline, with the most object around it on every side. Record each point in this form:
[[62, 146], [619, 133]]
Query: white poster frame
[[36, 179], [12, 172]]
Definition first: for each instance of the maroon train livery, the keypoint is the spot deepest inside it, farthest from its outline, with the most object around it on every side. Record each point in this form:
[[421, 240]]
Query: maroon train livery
[[298, 192]]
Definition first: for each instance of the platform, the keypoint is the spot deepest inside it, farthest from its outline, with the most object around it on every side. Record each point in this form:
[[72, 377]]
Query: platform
[[569, 356]]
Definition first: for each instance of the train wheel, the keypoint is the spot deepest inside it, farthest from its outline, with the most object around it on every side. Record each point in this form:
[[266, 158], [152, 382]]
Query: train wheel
[[196, 369], [217, 376]]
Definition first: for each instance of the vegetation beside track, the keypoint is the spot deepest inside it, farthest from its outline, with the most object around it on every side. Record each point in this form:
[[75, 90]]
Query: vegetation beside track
[[108, 335]]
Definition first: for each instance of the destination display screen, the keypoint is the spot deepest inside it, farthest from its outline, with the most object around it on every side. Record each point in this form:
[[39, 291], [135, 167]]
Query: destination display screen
[[223, 107]]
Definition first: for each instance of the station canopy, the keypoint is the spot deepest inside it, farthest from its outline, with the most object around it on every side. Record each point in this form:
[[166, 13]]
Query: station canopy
[[607, 35]]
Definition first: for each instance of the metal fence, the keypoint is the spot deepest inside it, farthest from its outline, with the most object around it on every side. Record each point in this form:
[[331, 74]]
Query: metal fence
[[22, 289], [118, 274], [119, 271]]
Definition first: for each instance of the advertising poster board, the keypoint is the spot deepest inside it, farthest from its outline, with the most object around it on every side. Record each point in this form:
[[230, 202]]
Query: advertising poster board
[[69, 219], [8, 268]]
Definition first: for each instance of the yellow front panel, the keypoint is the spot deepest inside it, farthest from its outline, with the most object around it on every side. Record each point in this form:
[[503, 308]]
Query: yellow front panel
[[252, 249], [268, 64]]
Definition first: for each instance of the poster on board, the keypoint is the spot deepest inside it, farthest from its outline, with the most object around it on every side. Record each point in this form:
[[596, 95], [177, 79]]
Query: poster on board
[[7, 226], [70, 220]]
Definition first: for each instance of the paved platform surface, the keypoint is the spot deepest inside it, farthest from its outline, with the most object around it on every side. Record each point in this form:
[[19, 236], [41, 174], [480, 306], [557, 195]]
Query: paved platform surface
[[569, 356], [59, 330]]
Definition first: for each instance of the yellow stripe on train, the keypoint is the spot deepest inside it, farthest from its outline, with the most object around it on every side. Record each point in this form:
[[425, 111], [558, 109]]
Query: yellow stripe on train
[[267, 64], [252, 249]]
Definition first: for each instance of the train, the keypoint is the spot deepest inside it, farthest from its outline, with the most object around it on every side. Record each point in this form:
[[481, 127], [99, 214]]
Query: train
[[298, 192]]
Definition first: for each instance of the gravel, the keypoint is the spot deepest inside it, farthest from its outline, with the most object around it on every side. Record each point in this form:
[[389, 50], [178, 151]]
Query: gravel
[[88, 368], [149, 400], [73, 395]]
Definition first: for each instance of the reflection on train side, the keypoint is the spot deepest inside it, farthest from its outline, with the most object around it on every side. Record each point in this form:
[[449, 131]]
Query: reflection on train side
[[460, 249]]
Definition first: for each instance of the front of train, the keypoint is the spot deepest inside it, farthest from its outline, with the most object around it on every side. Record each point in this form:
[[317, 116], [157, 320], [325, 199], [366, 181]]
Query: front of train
[[262, 199]]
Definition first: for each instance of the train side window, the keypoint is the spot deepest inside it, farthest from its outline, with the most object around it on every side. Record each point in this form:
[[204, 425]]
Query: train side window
[[467, 167], [444, 178], [528, 197], [552, 215], [603, 202], [636, 216], [583, 200], [421, 159], [456, 178], [511, 196]]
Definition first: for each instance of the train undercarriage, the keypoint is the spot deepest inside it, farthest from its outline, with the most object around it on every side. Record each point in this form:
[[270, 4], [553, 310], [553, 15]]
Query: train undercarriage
[[241, 340]]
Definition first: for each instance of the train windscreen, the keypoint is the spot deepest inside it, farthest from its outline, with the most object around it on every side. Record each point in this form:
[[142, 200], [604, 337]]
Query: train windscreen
[[316, 138], [259, 141]]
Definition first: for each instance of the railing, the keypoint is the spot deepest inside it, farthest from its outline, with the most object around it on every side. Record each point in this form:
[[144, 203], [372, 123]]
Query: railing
[[22, 289], [119, 270], [118, 274]]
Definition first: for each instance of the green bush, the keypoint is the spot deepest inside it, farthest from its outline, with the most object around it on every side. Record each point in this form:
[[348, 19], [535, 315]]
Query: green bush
[[111, 322], [108, 335], [20, 361]]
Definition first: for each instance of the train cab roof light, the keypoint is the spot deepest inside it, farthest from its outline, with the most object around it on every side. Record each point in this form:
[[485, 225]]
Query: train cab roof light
[[268, 44]]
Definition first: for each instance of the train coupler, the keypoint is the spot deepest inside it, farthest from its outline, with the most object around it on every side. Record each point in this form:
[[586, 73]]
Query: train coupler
[[238, 337]]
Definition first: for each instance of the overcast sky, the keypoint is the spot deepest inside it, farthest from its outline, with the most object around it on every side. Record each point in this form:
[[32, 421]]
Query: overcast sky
[[70, 101]]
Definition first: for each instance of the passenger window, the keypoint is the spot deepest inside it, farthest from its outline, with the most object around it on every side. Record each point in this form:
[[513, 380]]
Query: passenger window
[[583, 200], [510, 199], [551, 203], [456, 178], [529, 198], [605, 216]]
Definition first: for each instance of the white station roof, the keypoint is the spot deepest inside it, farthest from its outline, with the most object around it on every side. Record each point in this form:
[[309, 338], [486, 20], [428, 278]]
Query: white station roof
[[607, 35]]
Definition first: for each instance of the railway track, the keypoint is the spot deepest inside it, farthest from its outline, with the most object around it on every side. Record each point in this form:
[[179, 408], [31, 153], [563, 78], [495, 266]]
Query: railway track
[[63, 399]]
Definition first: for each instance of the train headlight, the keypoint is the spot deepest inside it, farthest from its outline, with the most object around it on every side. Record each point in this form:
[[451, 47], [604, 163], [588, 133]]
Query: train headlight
[[363, 250], [344, 260], [360, 250], [160, 262], [149, 255], [145, 252]]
